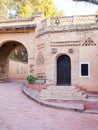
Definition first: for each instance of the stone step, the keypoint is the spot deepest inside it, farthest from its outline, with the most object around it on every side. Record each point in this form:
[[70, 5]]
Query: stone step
[[59, 90], [61, 105], [75, 106], [60, 87], [93, 111], [64, 98], [61, 95], [62, 92]]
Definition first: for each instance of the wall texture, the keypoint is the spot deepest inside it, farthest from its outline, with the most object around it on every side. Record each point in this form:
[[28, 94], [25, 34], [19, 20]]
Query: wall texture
[[18, 70]]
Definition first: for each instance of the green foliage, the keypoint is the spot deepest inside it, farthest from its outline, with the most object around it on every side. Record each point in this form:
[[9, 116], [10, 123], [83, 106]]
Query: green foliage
[[31, 79], [34, 6], [28, 7], [19, 54]]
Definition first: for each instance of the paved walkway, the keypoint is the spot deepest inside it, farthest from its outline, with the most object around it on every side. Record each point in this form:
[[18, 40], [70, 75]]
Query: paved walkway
[[18, 112]]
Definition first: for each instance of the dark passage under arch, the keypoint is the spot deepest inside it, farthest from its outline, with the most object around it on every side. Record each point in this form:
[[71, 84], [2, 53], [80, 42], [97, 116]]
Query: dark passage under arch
[[63, 70]]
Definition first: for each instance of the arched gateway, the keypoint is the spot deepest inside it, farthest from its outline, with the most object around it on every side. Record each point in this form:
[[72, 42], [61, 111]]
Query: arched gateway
[[5, 50], [63, 70], [13, 34]]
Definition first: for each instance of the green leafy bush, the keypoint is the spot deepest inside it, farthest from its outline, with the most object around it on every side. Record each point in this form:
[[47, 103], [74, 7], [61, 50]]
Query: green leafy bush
[[31, 79]]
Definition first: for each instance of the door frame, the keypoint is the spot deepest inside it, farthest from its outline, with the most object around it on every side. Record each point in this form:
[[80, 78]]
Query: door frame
[[57, 68]]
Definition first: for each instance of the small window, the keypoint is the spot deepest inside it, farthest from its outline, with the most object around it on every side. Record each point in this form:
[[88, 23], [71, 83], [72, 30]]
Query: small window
[[84, 69]]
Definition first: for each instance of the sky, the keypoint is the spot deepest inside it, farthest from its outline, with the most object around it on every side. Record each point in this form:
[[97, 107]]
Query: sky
[[71, 8]]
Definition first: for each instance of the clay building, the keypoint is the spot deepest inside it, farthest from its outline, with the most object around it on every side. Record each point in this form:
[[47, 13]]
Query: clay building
[[61, 50]]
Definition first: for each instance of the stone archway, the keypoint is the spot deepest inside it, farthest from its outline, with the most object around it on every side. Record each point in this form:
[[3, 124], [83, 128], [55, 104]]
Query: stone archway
[[63, 70], [5, 50]]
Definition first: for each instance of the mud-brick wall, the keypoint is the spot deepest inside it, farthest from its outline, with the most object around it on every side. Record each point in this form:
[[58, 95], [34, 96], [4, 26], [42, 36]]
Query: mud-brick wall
[[17, 69]]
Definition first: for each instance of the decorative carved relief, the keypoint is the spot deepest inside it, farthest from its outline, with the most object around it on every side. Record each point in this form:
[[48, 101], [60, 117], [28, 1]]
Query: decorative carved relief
[[65, 43], [40, 46], [31, 68], [96, 18], [89, 42], [41, 75], [40, 59]]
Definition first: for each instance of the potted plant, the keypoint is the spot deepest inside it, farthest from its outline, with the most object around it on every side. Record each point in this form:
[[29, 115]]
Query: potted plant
[[31, 79], [34, 83]]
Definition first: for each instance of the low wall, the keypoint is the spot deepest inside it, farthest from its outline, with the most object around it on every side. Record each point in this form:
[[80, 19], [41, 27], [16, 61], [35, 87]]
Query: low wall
[[37, 86]]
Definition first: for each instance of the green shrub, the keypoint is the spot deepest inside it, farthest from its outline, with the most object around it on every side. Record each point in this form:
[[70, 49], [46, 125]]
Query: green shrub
[[31, 79]]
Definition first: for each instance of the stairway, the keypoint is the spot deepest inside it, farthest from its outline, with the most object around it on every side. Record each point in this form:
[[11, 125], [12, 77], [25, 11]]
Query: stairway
[[62, 93]]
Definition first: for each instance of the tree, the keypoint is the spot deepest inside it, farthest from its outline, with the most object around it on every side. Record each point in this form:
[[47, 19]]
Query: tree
[[34, 6], [19, 54], [90, 1], [6, 6], [27, 7]]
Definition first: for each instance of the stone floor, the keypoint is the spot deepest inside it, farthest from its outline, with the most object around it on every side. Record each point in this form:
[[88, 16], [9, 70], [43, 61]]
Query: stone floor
[[18, 112], [2, 126]]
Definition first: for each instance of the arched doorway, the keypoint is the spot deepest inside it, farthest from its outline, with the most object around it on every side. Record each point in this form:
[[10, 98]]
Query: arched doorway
[[5, 51], [63, 70]]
